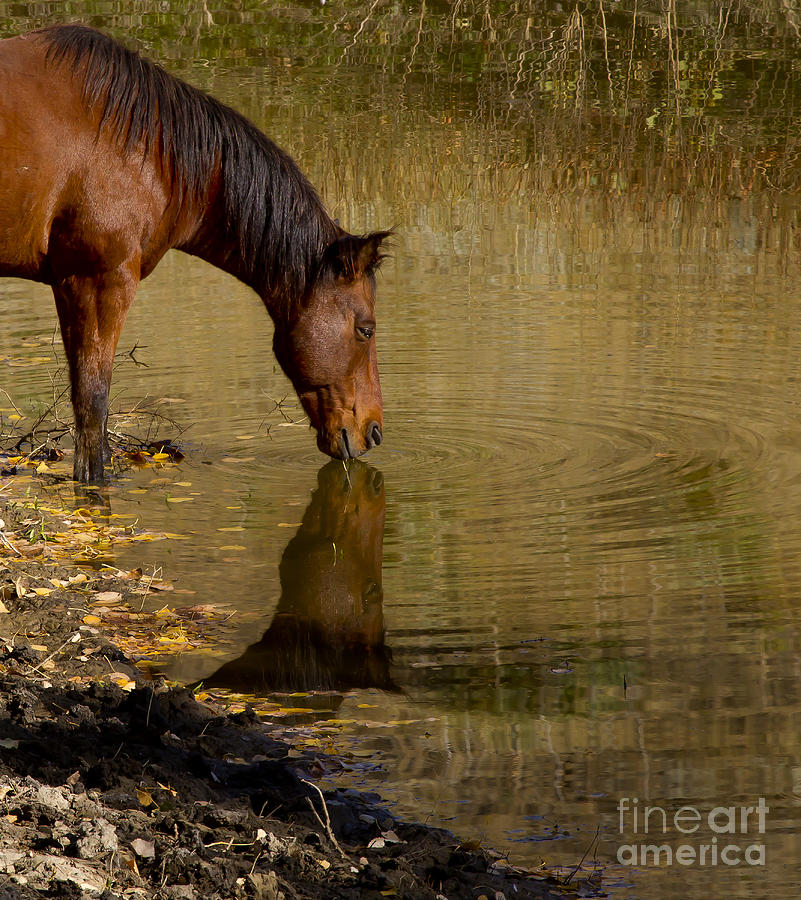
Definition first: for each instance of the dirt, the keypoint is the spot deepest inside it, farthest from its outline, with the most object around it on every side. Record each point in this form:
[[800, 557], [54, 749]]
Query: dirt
[[115, 786]]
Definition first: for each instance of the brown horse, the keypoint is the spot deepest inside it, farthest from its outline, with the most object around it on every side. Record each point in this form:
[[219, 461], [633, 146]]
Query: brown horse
[[107, 162]]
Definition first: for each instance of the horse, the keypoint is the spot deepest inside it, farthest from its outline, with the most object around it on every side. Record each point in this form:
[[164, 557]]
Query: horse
[[107, 161]]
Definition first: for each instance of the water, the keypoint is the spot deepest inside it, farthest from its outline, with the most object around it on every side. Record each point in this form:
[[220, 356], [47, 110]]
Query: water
[[576, 557]]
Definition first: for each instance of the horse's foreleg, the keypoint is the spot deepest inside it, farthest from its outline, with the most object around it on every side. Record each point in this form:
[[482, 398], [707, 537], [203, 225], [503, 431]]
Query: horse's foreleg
[[91, 312]]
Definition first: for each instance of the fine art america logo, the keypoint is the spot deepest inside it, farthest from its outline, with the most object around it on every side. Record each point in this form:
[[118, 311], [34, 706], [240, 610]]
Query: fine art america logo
[[723, 835]]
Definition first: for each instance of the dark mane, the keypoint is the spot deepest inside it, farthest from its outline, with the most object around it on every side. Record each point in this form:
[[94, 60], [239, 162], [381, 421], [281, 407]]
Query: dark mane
[[280, 225]]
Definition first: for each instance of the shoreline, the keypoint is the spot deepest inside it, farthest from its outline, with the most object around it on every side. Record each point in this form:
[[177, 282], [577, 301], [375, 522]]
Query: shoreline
[[116, 786]]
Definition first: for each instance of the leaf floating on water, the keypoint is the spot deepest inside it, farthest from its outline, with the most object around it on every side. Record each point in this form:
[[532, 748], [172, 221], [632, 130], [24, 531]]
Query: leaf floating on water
[[160, 585]]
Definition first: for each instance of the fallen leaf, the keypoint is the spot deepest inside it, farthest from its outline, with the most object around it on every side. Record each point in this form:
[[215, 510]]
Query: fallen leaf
[[145, 849], [122, 681]]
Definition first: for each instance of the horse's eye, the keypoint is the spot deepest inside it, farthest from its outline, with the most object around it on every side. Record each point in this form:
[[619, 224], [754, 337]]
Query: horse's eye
[[365, 332]]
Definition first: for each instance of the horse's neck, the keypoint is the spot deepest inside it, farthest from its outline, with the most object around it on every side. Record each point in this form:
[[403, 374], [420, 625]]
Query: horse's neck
[[211, 239]]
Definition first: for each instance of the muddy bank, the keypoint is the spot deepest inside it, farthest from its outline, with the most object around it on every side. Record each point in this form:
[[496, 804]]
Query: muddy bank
[[115, 786]]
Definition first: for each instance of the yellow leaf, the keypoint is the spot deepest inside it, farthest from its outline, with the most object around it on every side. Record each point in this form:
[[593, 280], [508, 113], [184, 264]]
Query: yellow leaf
[[43, 592], [91, 620], [159, 456], [232, 528], [122, 681], [145, 797]]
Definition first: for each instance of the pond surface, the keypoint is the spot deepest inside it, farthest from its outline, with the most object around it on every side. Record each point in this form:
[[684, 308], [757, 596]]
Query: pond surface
[[568, 582]]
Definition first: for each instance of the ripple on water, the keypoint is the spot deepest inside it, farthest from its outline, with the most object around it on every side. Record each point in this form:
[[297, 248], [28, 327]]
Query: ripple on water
[[632, 466]]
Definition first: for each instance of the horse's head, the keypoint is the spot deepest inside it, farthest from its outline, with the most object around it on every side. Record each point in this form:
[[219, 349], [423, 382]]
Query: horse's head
[[327, 348]]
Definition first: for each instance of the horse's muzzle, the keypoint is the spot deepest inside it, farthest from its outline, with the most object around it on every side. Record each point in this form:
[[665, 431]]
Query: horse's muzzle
[[349, 444]]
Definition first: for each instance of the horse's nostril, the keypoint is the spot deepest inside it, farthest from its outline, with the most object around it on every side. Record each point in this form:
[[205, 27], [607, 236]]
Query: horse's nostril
[[374, 436]]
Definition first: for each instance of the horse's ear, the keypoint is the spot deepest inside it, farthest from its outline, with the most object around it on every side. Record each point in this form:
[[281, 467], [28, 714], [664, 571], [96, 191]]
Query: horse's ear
[[352, 255]]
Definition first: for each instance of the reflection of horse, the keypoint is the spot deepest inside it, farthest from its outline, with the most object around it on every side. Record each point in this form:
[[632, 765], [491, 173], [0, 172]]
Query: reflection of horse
[[328, 629], [107, 162]]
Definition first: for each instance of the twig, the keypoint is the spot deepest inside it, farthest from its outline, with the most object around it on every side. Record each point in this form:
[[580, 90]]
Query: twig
[[326, 826], [7, 543], [132, 354], [581, 861], [70, 640], [8, 397]]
